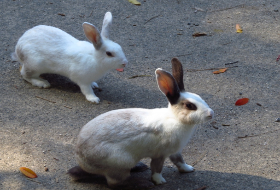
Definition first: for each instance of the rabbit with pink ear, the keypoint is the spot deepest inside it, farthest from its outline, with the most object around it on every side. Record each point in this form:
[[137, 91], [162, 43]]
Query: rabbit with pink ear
[[46, 49], [114, 142]]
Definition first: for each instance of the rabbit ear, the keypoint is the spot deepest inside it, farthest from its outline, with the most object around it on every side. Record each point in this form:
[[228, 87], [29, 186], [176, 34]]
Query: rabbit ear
[[168, 86], [106, 25], [177, 72], [92, 35]]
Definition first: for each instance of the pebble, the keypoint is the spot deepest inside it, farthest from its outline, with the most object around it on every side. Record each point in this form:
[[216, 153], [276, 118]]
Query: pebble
[[278, 120]]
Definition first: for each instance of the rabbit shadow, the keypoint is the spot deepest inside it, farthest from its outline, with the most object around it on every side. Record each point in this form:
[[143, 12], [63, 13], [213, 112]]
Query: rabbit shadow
[[61, 83], [133, 182], [209, 180]]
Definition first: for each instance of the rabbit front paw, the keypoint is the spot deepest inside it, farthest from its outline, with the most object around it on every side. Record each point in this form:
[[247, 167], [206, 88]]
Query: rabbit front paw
[[158, 179], [93, 99], [185, 168], [94, 85], [40, 83]]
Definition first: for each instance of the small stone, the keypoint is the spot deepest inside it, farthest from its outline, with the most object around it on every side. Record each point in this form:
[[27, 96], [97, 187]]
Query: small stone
[[189, 23], [276, 10], [46, 169], [240, 93], [277, 120], [196, 24]]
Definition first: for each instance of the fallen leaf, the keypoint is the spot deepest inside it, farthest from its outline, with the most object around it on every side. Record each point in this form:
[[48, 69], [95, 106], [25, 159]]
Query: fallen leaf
[[278, 58], [135, 2], [61, 14], [28, 172], [225, 125], [139, 76], [220, 71], [198, 34], [242, 101], [238, 29]]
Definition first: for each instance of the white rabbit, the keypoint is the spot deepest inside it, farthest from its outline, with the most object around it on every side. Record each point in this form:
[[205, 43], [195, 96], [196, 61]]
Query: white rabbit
[[46, 49], [112, 143]]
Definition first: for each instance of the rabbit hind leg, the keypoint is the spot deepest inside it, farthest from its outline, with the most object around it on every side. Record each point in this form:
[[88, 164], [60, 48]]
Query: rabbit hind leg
[[117, 177], [33, 77]]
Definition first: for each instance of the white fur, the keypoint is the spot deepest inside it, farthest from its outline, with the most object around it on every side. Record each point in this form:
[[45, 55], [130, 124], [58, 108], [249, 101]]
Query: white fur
[[46, 49], [158, 179], [116, 140], [185, 168]]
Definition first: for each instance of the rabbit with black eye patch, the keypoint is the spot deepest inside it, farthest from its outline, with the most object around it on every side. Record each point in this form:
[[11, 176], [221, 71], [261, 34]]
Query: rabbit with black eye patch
[[112, 143], [46, 49]]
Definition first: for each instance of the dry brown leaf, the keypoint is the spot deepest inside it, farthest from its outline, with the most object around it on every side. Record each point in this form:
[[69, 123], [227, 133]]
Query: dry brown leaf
[[198, 34], [238, 28]]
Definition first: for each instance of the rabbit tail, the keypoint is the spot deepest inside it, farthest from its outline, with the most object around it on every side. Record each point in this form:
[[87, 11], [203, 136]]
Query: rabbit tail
[[14, 57]]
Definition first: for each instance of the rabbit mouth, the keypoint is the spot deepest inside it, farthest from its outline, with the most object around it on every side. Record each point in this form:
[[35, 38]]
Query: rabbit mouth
[[121, 69]]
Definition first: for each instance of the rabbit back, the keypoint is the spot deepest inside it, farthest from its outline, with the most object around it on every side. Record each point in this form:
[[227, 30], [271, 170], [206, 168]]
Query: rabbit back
[[47, 49]]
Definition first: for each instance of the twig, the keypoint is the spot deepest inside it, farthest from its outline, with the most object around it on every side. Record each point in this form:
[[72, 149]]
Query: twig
[[231, 63], [67, 107], [194, 70], [151, 19], [34, 180], [200, 158], [90, 13], [139, 76], [227, 8], [202, 188], [45, 99], [241, 137]]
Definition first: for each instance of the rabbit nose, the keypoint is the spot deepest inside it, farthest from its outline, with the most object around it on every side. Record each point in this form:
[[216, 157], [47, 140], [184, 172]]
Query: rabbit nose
[[210, 114]]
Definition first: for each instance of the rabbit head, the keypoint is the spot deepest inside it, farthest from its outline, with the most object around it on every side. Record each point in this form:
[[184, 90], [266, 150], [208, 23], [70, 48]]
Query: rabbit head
[[188, 107], [108, 52]]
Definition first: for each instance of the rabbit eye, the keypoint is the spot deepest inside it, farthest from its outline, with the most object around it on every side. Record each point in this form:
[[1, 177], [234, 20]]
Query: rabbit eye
[[191, 106], [109, 54]]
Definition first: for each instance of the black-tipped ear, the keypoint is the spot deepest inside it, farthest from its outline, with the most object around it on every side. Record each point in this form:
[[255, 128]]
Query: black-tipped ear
[[92, 35], [177, 72], [168, 86]]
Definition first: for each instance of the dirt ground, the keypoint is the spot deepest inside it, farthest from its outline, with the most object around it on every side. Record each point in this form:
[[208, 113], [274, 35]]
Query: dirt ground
[[239, 149]]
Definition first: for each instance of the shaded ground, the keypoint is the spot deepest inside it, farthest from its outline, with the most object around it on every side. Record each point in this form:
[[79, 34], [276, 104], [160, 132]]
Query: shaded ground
[[37, 133]]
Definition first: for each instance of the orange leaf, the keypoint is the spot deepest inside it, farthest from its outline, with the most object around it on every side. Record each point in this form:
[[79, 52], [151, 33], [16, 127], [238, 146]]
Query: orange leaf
[[238, 28], [242, 101], [28, 172], [222, 70]]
